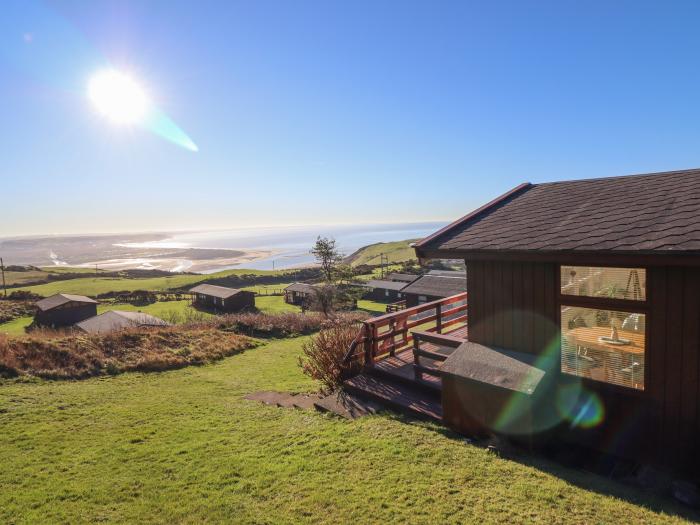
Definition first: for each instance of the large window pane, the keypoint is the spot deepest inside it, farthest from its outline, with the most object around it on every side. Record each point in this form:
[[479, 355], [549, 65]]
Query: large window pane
[[603, 345], [609, 283]]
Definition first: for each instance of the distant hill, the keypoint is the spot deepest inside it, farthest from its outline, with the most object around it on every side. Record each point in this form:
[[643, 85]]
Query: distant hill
[[397, 251]]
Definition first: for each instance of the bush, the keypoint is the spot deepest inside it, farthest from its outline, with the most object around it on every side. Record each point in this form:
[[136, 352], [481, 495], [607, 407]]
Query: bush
[[280, 325], [74, 355], [322, 356]]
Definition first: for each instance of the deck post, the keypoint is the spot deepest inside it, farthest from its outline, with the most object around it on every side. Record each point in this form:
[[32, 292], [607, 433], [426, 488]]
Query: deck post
[[438, 320], [392, 330], [416, 359]]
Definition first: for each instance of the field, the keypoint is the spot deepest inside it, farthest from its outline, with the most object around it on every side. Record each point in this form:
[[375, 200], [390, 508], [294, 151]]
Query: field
[[398, 251], [184, 446], [93, 286], [178, 311]]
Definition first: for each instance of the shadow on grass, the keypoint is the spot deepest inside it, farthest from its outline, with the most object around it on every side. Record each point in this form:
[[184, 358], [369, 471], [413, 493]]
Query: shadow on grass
[[580, 467]]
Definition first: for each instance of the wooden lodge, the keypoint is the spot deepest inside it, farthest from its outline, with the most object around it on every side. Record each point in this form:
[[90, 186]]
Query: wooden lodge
[[221, 298], [300, 294], [384, 290], [432, 287], [63, 310], [581, 328]]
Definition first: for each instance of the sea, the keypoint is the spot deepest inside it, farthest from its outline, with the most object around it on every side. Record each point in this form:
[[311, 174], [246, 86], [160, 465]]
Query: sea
[[291, 245]]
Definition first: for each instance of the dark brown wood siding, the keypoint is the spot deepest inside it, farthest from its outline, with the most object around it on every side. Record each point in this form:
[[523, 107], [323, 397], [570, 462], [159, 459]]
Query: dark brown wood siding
[[512, 304], [515, 305]]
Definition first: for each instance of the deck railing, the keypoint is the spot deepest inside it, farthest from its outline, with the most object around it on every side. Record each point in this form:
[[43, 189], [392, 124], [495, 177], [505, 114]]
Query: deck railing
[[392, 332], [395, 307]]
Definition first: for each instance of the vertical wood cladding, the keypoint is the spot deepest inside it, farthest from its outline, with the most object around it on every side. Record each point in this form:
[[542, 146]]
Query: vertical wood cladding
[[512, 304], [515, 305]]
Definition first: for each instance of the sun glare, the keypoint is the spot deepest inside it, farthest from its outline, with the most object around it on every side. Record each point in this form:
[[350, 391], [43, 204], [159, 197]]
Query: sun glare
[[118, 97]]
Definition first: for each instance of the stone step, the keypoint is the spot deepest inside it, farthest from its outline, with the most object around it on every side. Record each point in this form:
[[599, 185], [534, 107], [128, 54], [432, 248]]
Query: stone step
[[347, 405]]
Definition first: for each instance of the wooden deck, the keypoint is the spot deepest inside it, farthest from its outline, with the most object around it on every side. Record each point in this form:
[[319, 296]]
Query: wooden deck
[[402, 352]]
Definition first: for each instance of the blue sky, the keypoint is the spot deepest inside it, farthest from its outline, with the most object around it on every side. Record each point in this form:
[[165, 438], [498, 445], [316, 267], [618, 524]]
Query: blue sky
[[335, 112]]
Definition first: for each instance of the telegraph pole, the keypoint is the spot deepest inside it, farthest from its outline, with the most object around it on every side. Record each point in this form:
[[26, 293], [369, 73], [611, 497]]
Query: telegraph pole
[[2, 270]]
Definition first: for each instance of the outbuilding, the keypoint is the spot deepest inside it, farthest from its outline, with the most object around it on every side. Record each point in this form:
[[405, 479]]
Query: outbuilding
[[299, 294], [221, 298], [385, 291], [116, 320], [63, 310]]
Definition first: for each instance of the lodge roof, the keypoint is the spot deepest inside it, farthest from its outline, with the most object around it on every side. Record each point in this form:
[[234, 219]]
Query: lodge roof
[[60, 299], [654, 213], [385, 285], [437, 286], [215, 291], [404, 277], [118, 320], [301, 288]]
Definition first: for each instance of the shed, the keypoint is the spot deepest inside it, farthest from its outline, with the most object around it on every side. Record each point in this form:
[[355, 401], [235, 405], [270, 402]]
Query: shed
[[299, 294], [115, 320], [64, 309], [221, 298], [384, 290], [603, 277], [432, 287]]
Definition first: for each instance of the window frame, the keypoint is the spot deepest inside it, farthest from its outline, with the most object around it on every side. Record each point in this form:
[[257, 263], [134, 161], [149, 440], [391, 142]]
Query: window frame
[[607, 303]]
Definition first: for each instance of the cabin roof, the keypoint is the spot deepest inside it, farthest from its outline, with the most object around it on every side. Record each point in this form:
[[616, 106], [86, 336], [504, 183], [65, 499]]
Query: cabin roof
[[437, 286], [118, 320], [386, 285], [301, 288], [404, 277], [636, 214], [60, 299], [215, 291]]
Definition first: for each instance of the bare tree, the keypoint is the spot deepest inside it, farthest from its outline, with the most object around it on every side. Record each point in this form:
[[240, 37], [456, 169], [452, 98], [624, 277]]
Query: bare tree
[[327, 255]]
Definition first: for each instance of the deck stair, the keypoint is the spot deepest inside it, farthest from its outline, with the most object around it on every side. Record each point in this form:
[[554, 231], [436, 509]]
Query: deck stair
[[396, 395]]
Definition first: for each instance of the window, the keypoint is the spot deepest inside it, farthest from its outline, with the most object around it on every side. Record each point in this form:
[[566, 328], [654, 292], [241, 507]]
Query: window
[[603, 324], [612, 283], [422, 299], [386, 293]]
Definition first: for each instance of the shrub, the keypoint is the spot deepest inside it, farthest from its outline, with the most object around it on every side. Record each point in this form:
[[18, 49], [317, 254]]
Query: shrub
[[280, 325], [73, 355], [322, 356]]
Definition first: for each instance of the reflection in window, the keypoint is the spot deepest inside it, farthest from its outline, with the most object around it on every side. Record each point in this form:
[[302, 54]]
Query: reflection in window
[[608, 283], [603, 345]]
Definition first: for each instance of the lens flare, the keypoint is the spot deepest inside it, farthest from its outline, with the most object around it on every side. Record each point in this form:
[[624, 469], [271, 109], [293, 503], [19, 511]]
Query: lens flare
[[118, 97]]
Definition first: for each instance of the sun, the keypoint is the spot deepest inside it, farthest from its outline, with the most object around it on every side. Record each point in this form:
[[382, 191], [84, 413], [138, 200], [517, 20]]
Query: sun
[[118, 97]]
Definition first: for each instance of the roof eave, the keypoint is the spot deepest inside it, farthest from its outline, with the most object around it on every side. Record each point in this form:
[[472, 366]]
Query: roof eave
[[601, 257], [420, 246]]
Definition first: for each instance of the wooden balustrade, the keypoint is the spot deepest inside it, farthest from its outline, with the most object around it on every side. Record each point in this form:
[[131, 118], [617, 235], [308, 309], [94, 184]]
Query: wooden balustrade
[[396, 307], [389, 333]]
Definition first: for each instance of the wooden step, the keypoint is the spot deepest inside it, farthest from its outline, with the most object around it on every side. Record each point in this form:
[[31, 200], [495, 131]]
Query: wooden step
[[396, 395], [406, 375]]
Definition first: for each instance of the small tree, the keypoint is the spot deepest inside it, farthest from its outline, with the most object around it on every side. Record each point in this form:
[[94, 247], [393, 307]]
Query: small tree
[[327, 255]]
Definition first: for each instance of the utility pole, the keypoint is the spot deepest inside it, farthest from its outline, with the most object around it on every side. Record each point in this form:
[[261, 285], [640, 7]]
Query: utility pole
[[2, 270], [382, 259]]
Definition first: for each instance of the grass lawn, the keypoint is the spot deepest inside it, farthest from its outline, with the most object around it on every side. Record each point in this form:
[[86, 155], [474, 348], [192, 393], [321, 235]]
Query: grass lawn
[[371, 307], [93, 286], [184, 446]]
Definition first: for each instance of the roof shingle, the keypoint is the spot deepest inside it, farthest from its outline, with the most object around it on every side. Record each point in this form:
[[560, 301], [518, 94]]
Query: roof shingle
[[656, 213]]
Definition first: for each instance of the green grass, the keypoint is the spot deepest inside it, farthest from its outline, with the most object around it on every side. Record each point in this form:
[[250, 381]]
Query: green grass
[[93, 286], [398, 251], [185, 447], [371, 307]]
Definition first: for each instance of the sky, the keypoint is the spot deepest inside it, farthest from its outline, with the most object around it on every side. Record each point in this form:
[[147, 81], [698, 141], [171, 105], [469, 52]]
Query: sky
[[329, 112]]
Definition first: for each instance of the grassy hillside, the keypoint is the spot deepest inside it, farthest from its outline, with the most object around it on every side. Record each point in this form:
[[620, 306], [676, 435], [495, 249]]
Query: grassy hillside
[[185, 447], [93, 286], [398, 251]]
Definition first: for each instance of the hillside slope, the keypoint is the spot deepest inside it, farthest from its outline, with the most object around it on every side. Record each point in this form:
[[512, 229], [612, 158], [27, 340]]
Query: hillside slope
[[397, 251]]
